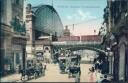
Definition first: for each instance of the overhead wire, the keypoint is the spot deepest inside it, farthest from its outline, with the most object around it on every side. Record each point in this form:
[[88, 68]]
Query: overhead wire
[[84, 21]]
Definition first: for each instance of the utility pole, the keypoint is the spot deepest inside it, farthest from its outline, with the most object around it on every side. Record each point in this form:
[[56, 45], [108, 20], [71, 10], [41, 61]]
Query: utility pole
[[109, 6], [52, 3], [94, 34], [73, 27], [52, 18], [94, 37], [80, 37]]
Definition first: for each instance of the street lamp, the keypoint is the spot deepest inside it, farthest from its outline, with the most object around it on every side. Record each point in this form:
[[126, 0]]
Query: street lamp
[[110, 55]]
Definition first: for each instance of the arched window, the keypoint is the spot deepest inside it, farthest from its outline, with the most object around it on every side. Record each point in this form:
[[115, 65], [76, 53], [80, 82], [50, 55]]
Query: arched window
[[122, 62]]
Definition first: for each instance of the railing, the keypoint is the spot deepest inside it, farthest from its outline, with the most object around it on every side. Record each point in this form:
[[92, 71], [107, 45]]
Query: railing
[[75, 43]]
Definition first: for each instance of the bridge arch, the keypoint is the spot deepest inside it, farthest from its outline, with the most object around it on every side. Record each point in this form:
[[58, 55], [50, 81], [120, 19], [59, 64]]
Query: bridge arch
[[86, 47], [97, 47]]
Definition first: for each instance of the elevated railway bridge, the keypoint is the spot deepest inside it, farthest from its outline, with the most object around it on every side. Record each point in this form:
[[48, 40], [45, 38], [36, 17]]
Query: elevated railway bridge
[[79, 45]]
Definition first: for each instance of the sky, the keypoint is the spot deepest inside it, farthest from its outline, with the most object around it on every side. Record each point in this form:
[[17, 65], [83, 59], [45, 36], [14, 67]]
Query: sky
[[87, 15]]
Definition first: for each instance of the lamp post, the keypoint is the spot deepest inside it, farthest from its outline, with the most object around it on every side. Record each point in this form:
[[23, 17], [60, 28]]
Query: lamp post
[[24, 59], [110, 55]]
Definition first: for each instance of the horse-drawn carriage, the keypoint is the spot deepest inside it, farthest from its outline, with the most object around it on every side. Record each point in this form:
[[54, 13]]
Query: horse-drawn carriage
[[32, 70]]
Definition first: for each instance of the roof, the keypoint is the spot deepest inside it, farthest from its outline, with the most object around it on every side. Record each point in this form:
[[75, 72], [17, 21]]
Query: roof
[[34, 9], [45, 25]]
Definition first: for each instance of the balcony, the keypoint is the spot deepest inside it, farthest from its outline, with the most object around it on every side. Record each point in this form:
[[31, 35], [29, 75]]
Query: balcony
[[18, 27]]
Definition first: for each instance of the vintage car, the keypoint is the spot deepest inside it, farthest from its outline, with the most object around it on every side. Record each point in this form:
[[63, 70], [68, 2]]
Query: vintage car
[[74, 70], [62, 64], [32, 70], [74, 67]]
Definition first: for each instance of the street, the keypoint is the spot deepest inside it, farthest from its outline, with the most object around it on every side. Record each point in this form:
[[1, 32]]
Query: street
[[52, 74]]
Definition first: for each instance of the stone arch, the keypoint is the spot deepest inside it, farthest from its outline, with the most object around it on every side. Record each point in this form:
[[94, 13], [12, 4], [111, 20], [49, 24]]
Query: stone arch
[[122, 47]]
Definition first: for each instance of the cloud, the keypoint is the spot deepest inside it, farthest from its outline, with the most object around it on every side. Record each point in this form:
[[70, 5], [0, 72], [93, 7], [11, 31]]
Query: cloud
[[69, 17], [80, 15], [85, 15]]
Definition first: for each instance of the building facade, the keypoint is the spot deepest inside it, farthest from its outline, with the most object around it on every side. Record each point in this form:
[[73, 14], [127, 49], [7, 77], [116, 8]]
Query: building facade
[[13, 36], [67, 31], [116, 19], [43, 45], [30, 30]]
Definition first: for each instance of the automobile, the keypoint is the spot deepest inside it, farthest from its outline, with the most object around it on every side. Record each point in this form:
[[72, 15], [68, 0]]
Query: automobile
[[62, 64], [74, 70], [33, 69], [29, 71], [74, 67], [75, 59]]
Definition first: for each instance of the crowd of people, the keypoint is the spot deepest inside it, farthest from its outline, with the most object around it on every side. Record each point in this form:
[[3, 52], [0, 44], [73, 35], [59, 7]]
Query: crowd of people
[[70, 62], [101, 69]]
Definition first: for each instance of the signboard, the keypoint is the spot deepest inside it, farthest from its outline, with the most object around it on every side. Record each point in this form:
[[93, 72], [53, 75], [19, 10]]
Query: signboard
[[17, 47], [39, 48]]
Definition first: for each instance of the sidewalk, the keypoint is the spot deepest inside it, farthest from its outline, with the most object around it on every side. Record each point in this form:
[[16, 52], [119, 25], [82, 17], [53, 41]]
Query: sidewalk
[[11, 78]]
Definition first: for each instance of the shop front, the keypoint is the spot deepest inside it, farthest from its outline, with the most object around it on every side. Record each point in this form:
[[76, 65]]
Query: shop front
[[18, 52], [18, 57], [8, 63]]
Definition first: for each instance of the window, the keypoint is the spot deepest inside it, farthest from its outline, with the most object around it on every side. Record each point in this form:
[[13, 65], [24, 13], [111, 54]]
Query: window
[[17, 58]]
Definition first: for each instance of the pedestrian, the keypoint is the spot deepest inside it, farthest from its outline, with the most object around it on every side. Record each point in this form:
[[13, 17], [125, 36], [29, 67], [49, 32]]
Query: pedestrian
[[92, 70], [47, 57], [20, 68], [97, 65], [91, 77], [45, 66], [67, 61], [99, 76], [41, 67], [77, 78]]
